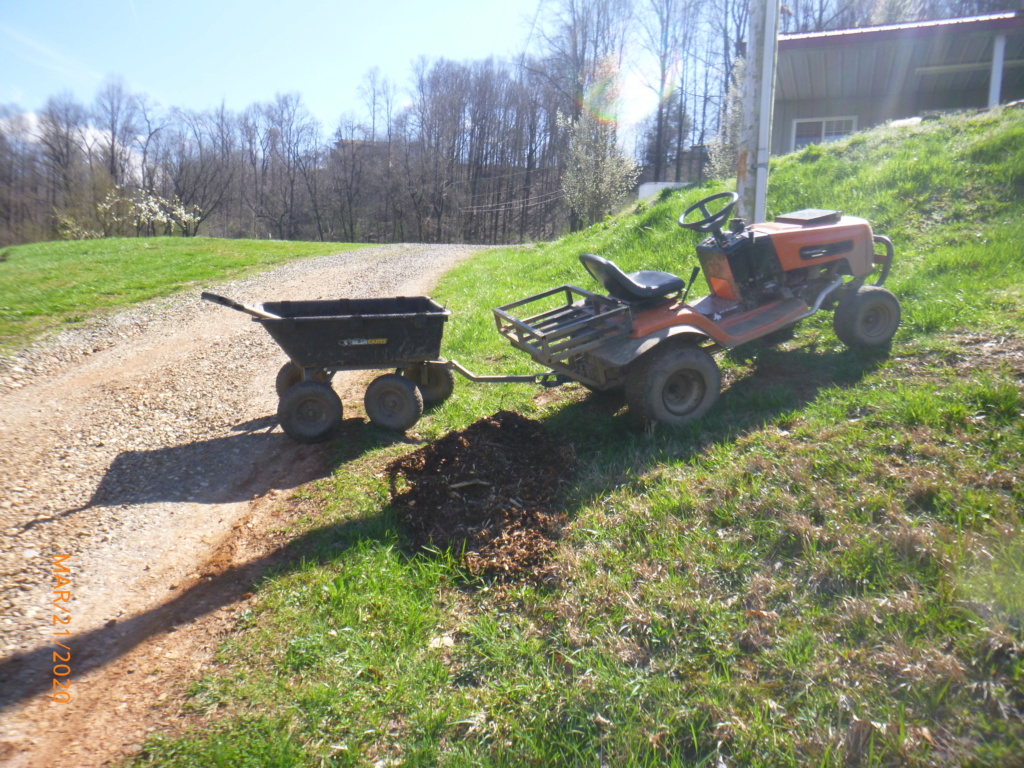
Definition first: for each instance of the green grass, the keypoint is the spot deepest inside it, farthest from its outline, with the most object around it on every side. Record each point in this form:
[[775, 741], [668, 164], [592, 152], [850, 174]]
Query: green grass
[[48, 286], [826, 571]]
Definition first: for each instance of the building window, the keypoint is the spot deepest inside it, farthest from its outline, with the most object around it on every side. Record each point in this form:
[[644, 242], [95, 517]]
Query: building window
[[821, 130]]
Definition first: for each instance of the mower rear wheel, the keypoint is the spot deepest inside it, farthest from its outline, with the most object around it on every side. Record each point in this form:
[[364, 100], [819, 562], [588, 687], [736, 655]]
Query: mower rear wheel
[[435, 382], [673, 385], [868, 318], [309, 411], [393, 402]]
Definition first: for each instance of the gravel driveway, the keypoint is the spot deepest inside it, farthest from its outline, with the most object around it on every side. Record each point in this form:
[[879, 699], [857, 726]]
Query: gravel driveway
[[134, 445]]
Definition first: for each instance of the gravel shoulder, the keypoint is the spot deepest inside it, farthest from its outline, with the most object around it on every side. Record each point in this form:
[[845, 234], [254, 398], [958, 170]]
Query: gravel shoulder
[[144, 447]]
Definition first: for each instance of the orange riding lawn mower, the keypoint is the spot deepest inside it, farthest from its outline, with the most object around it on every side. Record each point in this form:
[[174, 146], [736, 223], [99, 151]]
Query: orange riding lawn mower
[[644, 338]]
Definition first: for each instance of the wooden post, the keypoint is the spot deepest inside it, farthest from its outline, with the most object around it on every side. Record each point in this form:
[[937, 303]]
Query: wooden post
[[758, 96]]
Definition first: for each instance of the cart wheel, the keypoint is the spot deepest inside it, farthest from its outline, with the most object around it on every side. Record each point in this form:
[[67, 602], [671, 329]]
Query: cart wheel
[[309, 411], [673, 385], [393, 402], [435, 382], [291, 374]]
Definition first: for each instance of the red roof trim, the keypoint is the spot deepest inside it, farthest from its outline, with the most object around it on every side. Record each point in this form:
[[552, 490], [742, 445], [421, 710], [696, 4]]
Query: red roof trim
[[993, 22]]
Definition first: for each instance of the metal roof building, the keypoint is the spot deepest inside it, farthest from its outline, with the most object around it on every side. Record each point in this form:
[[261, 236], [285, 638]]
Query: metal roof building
[[832, 83]]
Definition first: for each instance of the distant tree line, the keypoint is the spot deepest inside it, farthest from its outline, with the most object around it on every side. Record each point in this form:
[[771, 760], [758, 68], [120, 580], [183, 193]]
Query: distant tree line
[[492, 151]]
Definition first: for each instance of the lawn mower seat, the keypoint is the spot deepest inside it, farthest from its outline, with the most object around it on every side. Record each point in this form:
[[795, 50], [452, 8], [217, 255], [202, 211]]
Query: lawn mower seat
[[634, 288]]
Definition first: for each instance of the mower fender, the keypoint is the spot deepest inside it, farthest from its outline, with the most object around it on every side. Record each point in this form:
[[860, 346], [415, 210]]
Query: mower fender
[[621, 351]]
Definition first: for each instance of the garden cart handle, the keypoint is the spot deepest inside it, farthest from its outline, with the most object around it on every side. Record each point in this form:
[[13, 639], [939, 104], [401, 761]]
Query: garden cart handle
[[225, 301]]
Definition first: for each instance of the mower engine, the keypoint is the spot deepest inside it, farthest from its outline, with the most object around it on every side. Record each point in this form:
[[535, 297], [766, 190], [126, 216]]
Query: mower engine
[[796, 256]]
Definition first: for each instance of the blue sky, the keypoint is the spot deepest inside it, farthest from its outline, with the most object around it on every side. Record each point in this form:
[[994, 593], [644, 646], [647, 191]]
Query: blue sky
[[196, 53]]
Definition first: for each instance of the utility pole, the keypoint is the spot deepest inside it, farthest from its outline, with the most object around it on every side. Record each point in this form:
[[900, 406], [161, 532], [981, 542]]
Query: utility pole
[[758, 96]]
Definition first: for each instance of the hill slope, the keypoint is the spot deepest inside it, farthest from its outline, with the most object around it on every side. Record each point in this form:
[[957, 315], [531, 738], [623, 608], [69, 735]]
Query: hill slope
[[827, 570]]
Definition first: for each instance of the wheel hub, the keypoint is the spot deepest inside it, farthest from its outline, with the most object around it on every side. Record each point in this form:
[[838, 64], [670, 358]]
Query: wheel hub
[[876, 321], [683, 392], [391, 402], [311, 410]]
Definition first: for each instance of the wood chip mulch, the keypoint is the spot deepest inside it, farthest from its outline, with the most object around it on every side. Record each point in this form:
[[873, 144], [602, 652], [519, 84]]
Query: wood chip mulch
[[489, 492]]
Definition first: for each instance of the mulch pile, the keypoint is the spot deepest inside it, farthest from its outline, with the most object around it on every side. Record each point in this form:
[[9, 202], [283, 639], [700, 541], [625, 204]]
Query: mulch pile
[[490, 491]]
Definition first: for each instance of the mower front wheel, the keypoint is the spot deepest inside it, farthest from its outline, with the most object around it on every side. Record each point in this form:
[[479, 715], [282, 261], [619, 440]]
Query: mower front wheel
[[868, 318], [673, 385]]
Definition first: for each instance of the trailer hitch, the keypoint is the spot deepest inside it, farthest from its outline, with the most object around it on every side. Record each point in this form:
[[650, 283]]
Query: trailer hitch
[[546, 379]]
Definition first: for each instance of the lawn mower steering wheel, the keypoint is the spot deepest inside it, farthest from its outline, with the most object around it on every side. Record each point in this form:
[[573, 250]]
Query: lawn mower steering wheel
[[712, 222]]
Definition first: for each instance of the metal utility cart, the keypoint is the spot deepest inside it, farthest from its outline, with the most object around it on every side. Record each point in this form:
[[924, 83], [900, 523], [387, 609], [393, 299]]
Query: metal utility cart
[[324, 337], [401, 334], [567, 323]]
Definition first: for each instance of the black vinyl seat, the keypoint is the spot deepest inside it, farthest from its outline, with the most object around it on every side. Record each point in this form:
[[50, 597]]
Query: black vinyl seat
[[634, 288]]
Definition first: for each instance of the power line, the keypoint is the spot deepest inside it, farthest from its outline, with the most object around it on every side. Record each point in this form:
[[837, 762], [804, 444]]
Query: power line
[[542, 199]]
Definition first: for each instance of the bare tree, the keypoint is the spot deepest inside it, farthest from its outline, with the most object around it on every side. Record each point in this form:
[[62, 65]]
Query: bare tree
[[665, 26], [197, 162], [149, 123], [23, 213], [577, 37], [274, 137], [115, 112], [61, 129], [347, 180]]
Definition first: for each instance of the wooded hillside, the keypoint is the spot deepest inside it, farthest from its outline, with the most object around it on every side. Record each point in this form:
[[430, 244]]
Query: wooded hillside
[[474, 151]]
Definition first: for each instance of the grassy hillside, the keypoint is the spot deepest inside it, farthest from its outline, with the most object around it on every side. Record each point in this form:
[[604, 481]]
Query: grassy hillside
[[46, 286], [828, 570]]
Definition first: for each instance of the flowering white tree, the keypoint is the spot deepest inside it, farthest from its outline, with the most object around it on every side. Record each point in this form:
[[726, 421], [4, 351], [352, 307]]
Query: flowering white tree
[[597, 174], [140, 213]]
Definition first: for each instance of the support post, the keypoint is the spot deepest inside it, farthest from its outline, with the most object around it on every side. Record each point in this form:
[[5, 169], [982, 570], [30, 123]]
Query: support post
[[758, 98], [995, 80]]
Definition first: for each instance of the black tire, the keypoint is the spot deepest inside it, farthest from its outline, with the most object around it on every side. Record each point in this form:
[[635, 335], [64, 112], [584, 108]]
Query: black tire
[[867, 318], [435, 382], [291, 374], [673, 385], [309, 411], [393, 402]]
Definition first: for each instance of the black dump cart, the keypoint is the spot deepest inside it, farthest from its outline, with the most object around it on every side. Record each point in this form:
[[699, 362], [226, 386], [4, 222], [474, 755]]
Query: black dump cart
[[402, 334]]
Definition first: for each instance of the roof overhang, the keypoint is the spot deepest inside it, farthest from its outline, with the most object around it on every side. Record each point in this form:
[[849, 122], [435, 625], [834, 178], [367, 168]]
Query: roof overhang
[[996, 22], [932, 57]]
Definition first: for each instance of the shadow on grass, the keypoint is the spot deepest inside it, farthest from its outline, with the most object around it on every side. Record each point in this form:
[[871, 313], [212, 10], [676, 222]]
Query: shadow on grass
[[772, 382], [29, 674]]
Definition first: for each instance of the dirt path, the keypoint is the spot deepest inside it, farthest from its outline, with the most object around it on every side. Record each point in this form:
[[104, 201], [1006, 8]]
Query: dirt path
[[143, 455]]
